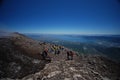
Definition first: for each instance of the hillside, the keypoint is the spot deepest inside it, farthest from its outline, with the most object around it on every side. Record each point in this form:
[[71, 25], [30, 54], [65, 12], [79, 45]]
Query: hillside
[[20, 59], [16, 56]]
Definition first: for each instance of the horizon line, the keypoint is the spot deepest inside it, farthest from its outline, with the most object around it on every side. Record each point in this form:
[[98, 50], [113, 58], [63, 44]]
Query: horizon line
[[61, 33], [67, 34]]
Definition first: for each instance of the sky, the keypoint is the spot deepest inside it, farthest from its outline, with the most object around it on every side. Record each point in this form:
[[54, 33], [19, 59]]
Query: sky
[[60, 16]]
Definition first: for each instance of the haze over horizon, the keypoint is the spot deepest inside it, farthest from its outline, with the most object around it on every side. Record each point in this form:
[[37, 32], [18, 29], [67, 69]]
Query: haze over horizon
[[60, 16]]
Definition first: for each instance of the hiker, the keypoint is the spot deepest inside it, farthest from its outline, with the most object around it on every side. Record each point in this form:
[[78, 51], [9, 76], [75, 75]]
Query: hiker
[[45, 53], [56, 49], [52, 50], [58, 52], [70, 55]]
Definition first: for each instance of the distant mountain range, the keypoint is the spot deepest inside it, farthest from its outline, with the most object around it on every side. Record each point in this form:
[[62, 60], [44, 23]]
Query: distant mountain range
[[105, 45]]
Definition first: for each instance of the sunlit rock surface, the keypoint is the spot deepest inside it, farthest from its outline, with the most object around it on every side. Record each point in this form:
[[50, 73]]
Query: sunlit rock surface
[[94, 68]]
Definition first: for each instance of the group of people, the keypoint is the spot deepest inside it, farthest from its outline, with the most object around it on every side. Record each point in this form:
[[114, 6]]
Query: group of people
[[56, 50]]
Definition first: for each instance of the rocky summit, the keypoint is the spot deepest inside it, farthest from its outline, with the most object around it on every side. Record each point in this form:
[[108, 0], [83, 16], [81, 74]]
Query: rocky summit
[[20, 59]]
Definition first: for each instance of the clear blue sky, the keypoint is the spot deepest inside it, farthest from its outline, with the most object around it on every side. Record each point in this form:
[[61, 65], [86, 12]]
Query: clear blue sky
[[61, 16]]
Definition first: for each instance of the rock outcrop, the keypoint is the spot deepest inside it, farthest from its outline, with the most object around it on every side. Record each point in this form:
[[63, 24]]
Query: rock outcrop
[[88, 68], [20, 59]]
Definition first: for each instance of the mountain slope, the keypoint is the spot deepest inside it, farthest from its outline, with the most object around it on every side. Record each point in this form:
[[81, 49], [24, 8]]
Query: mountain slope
[[20, 59]]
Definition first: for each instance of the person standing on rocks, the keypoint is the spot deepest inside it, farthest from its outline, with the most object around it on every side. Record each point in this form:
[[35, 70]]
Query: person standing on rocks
[[45, 53], [56, 49], [70, 55], [58, 52]]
